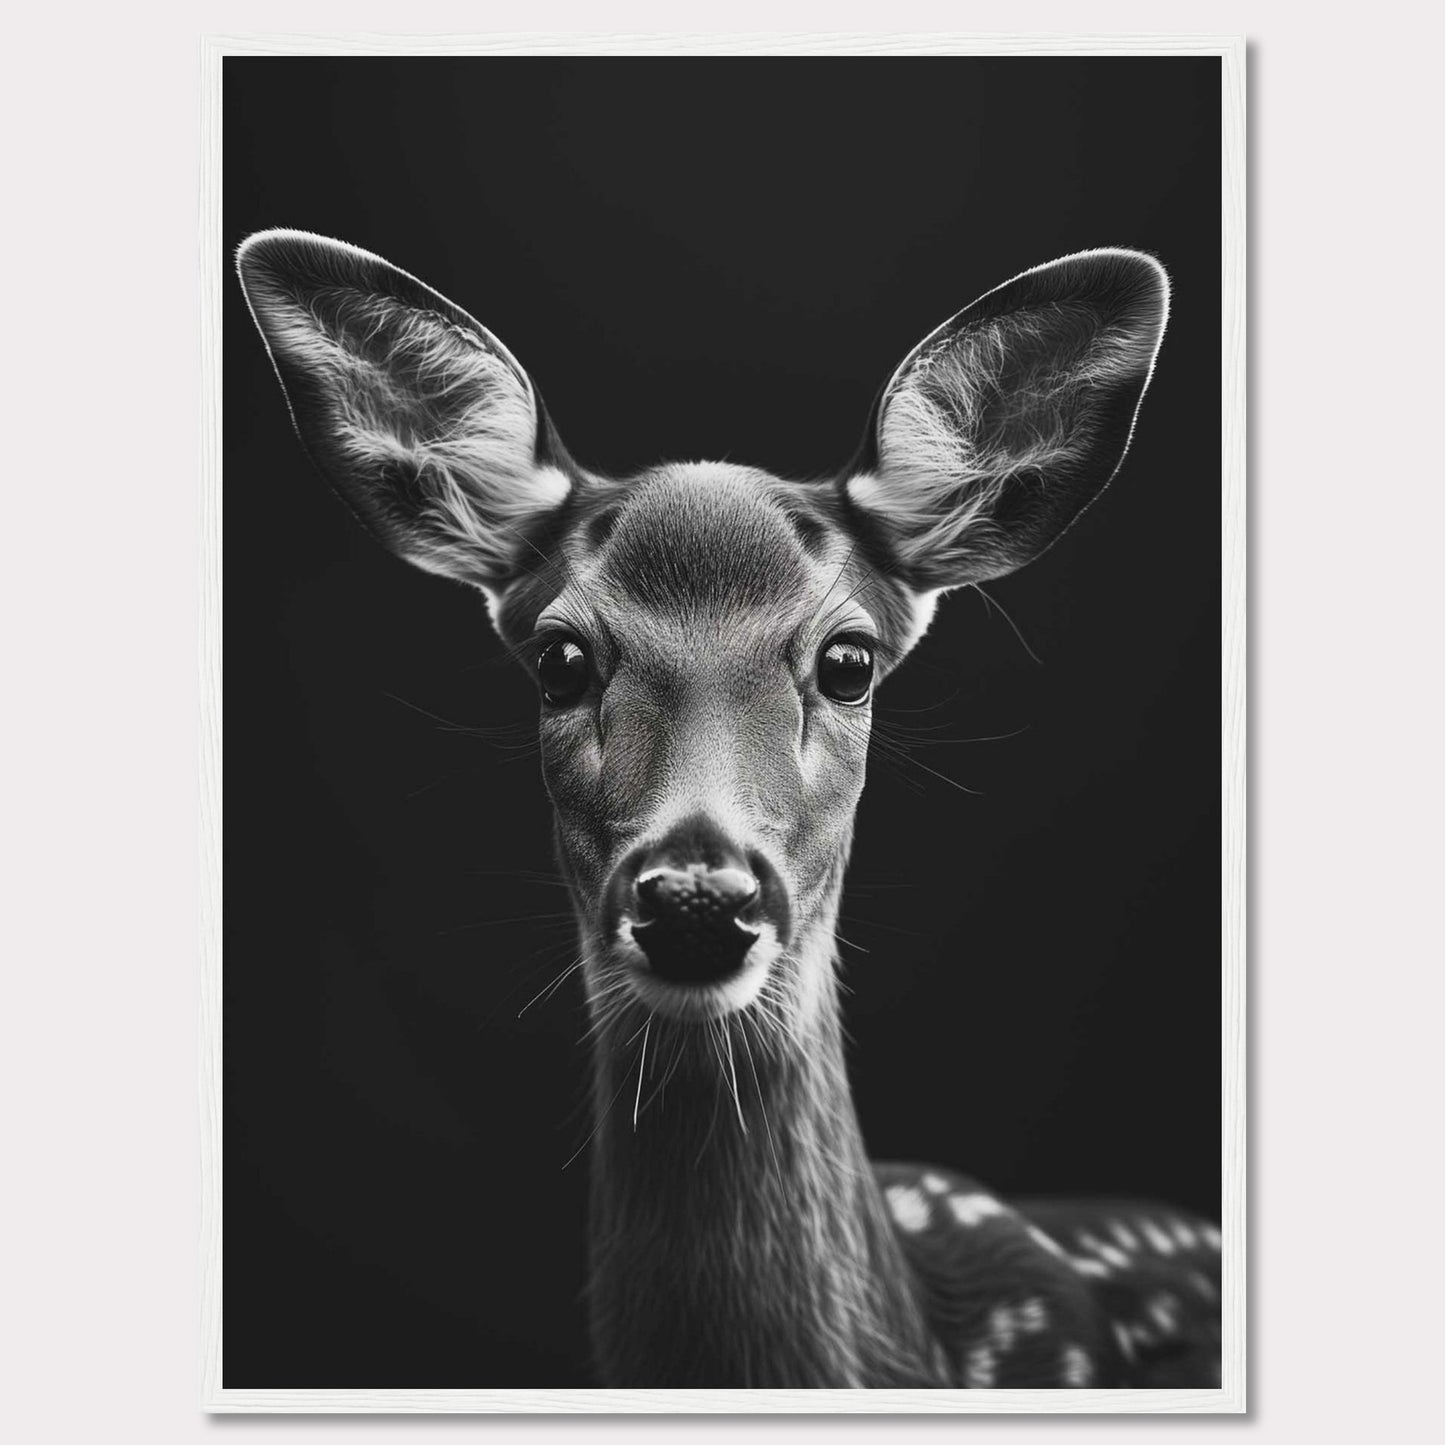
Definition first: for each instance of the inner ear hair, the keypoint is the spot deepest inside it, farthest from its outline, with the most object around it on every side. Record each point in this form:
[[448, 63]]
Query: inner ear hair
[[1006, 422], [421, 420]]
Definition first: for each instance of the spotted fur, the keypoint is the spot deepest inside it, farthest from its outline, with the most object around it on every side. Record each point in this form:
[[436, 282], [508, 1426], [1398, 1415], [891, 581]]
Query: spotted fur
[[1044, 1294]]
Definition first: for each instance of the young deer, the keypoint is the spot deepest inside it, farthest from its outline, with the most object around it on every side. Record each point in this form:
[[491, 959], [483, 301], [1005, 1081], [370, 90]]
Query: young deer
[[706, 639]]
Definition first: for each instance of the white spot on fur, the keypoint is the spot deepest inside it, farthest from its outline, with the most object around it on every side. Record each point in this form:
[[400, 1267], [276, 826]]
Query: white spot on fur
[[1078, 1368], [1044, 1242], [935, 1184], [1124, 1234], [941, 1371], [1008, 1322], [1125, 1337], [1161, 1242], [1106, 1252], [980, 1368], [973, 1209], [909, 1207], [1163, 1309], [1002, 1328], [1187, 1238], [1212, 1236], [1091, 1268], [1203, 1285]]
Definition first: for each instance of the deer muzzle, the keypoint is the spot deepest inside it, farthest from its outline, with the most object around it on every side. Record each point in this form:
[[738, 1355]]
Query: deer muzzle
[[697, 903]]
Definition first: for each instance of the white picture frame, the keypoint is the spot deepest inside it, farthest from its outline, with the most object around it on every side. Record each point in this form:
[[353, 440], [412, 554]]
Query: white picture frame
[[1231, 1397]]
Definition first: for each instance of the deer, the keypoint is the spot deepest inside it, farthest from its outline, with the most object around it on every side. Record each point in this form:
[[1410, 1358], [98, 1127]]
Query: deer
[[706, 640]]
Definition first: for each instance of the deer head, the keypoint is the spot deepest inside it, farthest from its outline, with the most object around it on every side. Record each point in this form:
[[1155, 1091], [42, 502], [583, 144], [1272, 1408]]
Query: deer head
[[706, 638]]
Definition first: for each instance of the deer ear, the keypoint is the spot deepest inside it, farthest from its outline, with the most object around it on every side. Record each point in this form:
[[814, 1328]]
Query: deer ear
[[418, 417], [1006, 422]]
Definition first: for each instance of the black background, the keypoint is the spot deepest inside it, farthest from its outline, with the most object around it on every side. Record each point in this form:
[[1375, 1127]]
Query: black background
[[699, 258]]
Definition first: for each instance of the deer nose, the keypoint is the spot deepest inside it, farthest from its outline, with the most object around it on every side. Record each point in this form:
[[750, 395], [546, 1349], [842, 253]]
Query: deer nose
[[689, 921], [704, 895]]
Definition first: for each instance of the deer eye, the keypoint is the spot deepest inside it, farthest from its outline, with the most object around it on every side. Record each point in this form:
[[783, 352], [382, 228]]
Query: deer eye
[[845, 671], [563, 672]]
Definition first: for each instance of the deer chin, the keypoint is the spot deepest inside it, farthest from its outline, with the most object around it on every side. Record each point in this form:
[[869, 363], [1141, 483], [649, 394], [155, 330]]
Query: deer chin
[[694, 1002]]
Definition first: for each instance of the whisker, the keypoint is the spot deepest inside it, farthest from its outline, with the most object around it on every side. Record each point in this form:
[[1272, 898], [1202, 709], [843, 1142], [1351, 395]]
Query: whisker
[[637, 1102], [865, 586], [518, 875], [601, 1119], [914, 738], [931, 707], [732, 1070], [451, 725], [674, 1061], [436, 783], [885, 927], [551, 988], [838, 575], [552, 920], [993, 602], [890, 747], [762, 1107], [716, 1105]]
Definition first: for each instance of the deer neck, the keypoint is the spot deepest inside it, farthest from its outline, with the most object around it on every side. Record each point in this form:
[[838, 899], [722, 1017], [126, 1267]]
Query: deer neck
[[739, 1239]]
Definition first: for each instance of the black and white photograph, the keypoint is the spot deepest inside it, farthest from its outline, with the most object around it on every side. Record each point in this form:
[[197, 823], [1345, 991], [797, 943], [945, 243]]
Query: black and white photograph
[[665, 448], [720, 722]]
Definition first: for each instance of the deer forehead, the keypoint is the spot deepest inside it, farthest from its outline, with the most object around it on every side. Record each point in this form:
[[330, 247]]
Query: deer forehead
[[691, 545], [707, 553]]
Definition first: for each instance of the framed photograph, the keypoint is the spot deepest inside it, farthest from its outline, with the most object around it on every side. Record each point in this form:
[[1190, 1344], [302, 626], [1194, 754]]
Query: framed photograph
[[728, 559]]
